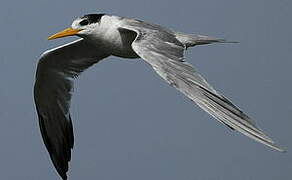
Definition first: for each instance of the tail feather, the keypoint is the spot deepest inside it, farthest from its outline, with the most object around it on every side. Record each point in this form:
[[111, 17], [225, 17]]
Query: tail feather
[[190, 40]]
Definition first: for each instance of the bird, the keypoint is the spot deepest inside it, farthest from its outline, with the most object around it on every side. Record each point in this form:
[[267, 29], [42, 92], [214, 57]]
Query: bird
[[104, 35]]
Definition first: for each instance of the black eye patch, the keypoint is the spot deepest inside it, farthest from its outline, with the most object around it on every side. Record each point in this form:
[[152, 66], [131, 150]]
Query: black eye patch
[[84, 22]]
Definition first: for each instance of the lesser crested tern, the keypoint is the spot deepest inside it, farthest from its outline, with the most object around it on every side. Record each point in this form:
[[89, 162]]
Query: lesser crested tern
[[103, 35]]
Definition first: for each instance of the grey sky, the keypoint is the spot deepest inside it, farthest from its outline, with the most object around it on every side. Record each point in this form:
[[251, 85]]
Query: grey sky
[[129, 124]]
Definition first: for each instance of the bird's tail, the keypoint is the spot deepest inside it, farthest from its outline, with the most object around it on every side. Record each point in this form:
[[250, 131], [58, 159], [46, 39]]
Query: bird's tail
[[190, 40]]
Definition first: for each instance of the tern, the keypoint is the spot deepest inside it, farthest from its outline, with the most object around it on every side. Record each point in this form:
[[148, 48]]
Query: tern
[[103, 35]]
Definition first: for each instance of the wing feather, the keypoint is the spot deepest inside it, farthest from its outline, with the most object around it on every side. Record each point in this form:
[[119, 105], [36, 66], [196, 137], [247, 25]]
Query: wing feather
[[166, 55], [52, 93]]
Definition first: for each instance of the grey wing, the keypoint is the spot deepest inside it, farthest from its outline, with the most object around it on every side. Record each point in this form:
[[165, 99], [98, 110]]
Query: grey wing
[[52, 93], [165, 54]]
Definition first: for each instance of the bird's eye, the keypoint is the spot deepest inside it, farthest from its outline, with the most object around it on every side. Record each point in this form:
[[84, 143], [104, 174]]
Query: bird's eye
[[84, 22]]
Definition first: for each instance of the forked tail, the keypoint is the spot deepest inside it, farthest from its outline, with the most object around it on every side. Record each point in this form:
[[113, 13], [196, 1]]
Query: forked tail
[[190, 40]]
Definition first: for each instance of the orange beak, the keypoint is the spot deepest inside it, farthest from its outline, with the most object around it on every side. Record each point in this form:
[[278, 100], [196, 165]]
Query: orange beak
[[64, 33]]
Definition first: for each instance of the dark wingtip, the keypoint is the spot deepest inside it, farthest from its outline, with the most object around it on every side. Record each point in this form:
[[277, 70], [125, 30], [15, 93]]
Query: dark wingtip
[[64, 176], [61, 166]]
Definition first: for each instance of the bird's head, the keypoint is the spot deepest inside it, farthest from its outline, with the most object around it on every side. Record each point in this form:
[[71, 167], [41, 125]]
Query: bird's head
[[81, 26]]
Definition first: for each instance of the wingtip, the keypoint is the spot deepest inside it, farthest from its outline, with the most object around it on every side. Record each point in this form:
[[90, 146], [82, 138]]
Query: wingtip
[[279, 149], [64, 176], [275, 147], [283, 151]]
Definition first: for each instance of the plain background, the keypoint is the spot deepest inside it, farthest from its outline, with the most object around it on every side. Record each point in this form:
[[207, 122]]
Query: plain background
[[129, 124]]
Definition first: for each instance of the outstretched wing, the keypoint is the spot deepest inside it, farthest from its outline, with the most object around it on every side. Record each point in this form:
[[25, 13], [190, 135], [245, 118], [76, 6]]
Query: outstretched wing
[[160, 48], [52, 93]]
